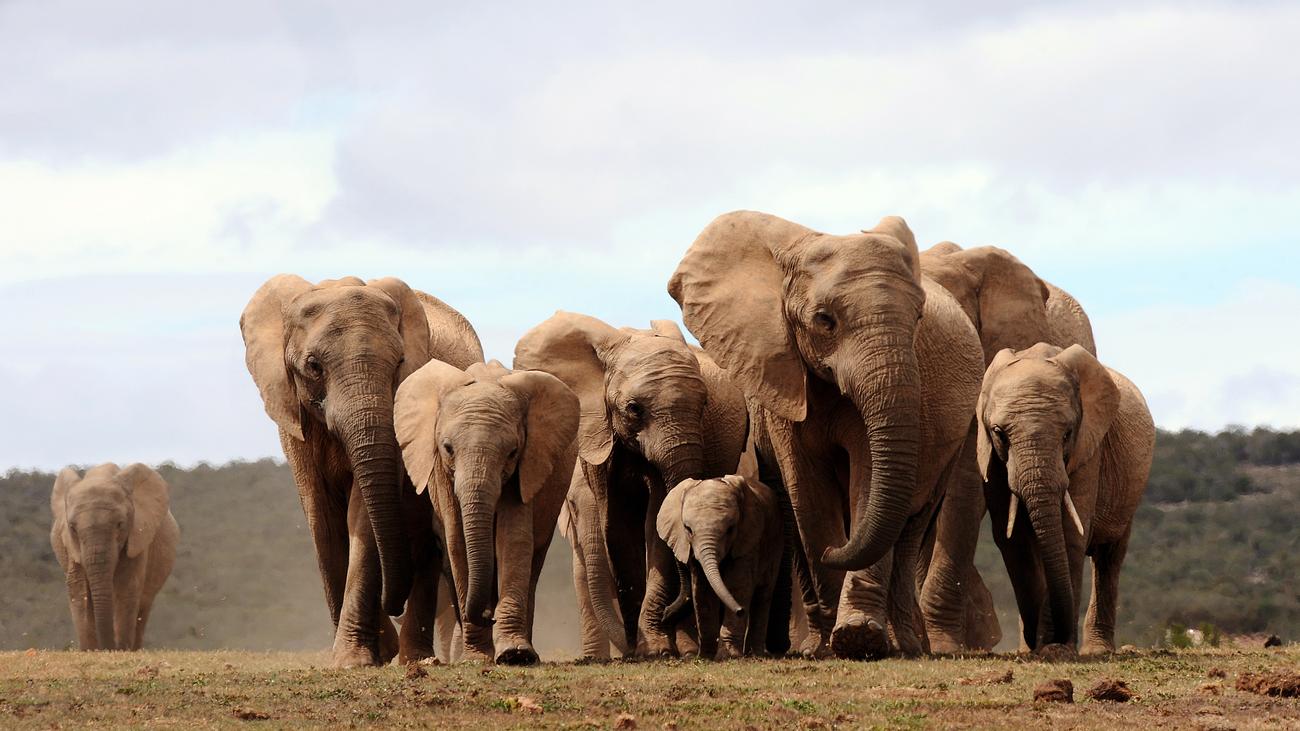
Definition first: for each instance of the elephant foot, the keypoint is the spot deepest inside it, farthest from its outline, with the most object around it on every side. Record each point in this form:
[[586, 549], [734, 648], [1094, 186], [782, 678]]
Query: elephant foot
[[1097, 648], [349, 657], [476, 655], [657, 647], [389, 643], [943, 642], [519, 653], [410, 655], [815, 648], [860, 638], [1056, 652]]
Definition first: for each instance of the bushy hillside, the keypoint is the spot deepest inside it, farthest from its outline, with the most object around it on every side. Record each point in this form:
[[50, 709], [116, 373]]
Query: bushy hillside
[[1216, 541]]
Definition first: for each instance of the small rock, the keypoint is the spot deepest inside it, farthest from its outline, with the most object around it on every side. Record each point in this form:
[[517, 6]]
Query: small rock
[[1211, 688], [1060, 690], [430, 661], [527, 705], [414, 671], [1112, 690], [1273, 641], [229, 666], [1217, 672], [1128, 649], [625, 722], [248, 714], [1279, 684]]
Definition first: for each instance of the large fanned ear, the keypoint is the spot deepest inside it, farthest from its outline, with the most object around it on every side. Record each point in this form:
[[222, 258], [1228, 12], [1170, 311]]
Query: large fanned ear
[[414, 326], [552, 426], [262, 325], [896, 227], [757, 506], [58, 497], [415, 416], [571, 347], [731, 291], [669, 521], [451, 338], [983, 443], [667, 329], [1099, 398], [150, 498], [1012, 301]]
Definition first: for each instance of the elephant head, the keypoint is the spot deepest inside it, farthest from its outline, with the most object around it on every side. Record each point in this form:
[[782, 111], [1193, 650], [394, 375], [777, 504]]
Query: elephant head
[[714, 521], [1004, 299], [102, 517], [328, 358], [474, 434], [773, 301], [1043, 413]]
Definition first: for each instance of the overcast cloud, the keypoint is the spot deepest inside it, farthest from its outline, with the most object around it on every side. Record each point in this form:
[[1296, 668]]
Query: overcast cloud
[[159, 160]]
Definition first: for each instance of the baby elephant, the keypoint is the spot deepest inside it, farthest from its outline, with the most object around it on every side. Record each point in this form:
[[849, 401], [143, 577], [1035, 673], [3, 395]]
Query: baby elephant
[[496, 450], [731, 528], [115, 538], [1066, 443]]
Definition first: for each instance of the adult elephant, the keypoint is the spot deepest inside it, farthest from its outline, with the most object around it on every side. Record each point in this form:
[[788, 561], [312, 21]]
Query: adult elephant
[[1010, 307], [862, 375], [327, 359], [653, 411]]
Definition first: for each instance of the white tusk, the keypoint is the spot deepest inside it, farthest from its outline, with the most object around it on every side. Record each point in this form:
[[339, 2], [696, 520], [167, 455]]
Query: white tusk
[[1011, 514], [1074, 514]]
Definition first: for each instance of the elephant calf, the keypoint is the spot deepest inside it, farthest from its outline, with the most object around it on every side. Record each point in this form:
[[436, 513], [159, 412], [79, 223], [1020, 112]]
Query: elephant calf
[[115, 538], [1067, 443], [728, 532], [496, 450]]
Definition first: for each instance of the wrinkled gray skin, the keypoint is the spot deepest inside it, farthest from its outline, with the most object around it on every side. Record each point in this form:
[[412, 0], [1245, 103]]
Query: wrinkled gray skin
[[727, 531], [115, 538], [1010, 307], [861, 375], [327, 359], [1059, 431], [654, 411]]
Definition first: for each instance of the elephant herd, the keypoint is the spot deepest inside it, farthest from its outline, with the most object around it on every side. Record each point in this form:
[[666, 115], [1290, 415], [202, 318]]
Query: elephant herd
[[825, 457]]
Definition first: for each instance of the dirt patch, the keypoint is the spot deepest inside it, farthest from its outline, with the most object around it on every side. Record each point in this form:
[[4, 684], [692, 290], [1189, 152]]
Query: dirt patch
[[1217, 672], [1056, 653], [1060, 690], [1111, 690], [625, 722], [993, 678], [415, 671], [1280, 684], [248, 714]]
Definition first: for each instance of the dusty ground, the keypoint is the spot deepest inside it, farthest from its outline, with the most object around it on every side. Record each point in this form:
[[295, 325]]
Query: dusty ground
[[1191, 689]]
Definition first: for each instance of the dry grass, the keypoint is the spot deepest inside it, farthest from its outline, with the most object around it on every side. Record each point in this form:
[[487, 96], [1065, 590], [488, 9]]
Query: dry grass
[[275, 690]]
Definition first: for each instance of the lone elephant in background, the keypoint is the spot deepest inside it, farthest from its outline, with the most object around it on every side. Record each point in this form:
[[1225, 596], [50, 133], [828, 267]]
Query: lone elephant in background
[[1010, 307], [727, 534], [115, 537], [327, 360], [496, 451], [653, 411], [862, 374], [1065, 444]]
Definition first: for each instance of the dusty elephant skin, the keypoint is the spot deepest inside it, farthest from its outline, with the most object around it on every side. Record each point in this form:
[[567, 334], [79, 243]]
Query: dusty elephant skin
[[495, 450], [327, 359], [1010, 307], [654, 412], [861, 374], [115, 537], [1064, 445], [725, 530]]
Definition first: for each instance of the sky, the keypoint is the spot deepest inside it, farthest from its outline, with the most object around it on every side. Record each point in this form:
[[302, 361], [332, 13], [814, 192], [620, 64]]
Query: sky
[[160, 160]]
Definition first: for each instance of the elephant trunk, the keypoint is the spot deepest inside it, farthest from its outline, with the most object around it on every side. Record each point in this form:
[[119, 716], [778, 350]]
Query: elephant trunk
[[1045, 515], [477, 490], [883, 380], [707, 553], [600, 582], [100, 566], [673, 613], [684, 460], [366, 430]]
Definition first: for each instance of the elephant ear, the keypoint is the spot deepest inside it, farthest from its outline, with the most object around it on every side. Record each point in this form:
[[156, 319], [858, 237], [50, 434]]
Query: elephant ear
[[149, 498], [412, 324], [1012, 301], [1098, 397], [983, 443], [757, 506], [896, 228], [549, 433], [667, 329], [59, 496], [415, 416], [669, 521], [262, 325], [943, 248], [731, 290], [573, 348]]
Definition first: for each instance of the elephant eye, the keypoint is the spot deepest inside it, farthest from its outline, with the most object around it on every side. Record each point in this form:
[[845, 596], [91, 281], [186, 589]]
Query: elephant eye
[[824, 321], [634, 409], [446, 447], [314, 368], [999, 434], [513, 453]]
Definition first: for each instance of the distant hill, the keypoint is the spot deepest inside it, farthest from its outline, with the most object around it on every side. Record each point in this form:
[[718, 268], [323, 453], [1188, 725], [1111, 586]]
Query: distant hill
[[1216, 541]]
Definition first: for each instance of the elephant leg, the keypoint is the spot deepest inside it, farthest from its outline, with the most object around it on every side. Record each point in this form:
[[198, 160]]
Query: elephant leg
[[760, 614], [861, 626], [127, 586], [818, 505], [660, 584], [945, 593], [514, 554], [327, 512], [625, 541], [816, 625], [356, 641], [83, 618], [595, 646], [708, 612], [142, 619], [780, 607], [904, 611], [415, 641], [1099, 626], [445, 620]]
